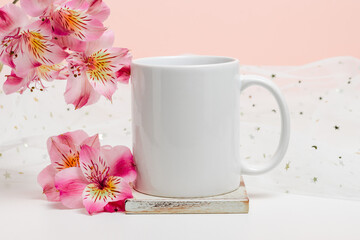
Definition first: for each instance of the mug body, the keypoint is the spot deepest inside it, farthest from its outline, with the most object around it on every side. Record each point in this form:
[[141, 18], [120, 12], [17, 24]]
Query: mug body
[[185, 113]]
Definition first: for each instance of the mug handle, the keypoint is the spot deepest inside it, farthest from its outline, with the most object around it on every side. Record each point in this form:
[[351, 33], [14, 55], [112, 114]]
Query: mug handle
[[246, 81]]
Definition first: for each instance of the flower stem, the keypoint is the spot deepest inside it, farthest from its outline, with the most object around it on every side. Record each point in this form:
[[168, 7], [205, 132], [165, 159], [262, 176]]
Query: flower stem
[[15, 1]]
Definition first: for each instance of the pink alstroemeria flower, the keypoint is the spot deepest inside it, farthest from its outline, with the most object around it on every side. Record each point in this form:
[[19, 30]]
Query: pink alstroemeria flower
[[33, 79], [30, 47], [95, 71], [102, 181], [77, 20], [64, 153]]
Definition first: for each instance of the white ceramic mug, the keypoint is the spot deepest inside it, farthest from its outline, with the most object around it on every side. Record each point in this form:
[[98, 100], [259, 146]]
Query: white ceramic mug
[[185, 112]]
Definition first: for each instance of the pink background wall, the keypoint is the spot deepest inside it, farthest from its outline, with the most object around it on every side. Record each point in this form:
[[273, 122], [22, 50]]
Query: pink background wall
[[268, 32], [255, 31]]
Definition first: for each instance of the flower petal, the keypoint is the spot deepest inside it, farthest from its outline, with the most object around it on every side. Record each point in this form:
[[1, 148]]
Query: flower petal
[[11, 17], [95, 198], [94, 167], [119, 206], [35, 8], [79, 91], [46, 180], [120, 161], [92, 141], [104, 42], [99, 10], [107, 87], [51, 72], [71, 183], [69, 42], [123, 75], [102, 67], [72, 139], [16, 83], [67, 21], [64, 149]]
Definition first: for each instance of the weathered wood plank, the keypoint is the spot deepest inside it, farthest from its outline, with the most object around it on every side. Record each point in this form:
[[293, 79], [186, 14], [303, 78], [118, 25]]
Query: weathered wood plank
[[234, 202]]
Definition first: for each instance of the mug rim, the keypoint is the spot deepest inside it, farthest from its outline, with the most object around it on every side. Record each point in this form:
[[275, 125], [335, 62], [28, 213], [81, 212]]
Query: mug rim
[[216, 61]]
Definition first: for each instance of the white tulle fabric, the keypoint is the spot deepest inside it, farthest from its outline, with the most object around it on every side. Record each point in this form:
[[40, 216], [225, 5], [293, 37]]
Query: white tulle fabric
[[324, 153]]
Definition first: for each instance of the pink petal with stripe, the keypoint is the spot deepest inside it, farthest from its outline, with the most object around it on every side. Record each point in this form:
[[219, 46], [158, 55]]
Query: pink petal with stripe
[[79, 91], [64, 149], [15, 83], [35, 8], [77, 23], [99, 10], [123, 75], [120, 161], [104, 42], [93, 166], [11, 18], [71, 183], [70, 42], [46, 181]]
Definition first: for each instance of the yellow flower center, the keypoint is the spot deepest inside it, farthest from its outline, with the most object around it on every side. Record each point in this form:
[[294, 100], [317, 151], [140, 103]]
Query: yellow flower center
[[99, 66]]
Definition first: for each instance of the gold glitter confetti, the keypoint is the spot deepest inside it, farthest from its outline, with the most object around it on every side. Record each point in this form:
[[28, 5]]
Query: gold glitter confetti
[[21, 172], [315, 179], [0, 154], [16, 127], [35, 99], [336, 127], [51, 114], [1, 106], [273, 75], [314, 146], [287, 166]]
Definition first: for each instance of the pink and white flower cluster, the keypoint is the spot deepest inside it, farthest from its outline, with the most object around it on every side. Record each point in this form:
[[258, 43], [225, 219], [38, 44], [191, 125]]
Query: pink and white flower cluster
[[62, 39], [84, 174]]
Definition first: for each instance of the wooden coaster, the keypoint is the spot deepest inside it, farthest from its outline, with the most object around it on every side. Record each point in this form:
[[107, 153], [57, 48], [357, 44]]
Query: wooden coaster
[[233, 202]]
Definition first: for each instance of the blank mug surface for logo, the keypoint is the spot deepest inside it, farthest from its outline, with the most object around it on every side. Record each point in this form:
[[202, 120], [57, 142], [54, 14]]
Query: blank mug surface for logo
[[185, 112]]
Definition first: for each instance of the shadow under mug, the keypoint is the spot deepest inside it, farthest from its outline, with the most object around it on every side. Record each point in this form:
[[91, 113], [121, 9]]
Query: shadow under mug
[[185, 112]]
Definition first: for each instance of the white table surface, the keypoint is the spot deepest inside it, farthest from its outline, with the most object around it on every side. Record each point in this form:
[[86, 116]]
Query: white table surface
[[25, 214]]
